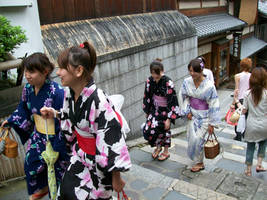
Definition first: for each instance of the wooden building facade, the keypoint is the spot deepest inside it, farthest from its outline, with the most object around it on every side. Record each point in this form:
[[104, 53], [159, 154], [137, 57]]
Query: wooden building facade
[[221, 46], [54, 11]]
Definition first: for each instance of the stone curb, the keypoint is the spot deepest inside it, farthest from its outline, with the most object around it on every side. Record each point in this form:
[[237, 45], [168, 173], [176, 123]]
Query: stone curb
[[158, 180], [142, 141]]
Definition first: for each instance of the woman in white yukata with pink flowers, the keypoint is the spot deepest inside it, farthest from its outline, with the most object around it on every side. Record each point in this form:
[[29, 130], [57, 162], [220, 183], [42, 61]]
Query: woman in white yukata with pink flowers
[[92, 130]]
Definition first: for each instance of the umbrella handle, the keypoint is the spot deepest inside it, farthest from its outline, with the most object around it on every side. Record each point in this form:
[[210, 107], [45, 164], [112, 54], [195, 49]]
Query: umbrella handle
[[4, 133], [46, 129]]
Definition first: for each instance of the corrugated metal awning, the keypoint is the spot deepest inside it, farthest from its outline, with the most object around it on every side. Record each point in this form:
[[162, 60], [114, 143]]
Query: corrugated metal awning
[[208, 25], [250, 46]]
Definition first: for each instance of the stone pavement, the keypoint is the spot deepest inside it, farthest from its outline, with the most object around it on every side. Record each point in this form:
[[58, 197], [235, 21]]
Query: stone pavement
[[223, 177]]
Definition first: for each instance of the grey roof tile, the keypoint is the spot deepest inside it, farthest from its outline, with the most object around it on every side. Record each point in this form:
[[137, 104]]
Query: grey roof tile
[[208, 25], [116, 34], [250, 46]]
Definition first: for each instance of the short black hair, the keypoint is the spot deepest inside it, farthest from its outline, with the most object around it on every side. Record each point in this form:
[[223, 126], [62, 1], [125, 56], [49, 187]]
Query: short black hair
[[38, 61]]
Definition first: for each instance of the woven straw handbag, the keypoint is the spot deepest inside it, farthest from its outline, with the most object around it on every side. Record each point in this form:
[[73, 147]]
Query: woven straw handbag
[[10, 145], [235, 117], [211, 147]]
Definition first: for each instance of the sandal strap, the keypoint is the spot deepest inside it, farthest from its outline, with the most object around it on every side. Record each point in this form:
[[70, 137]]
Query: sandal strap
[[39, 196], [164, 154]]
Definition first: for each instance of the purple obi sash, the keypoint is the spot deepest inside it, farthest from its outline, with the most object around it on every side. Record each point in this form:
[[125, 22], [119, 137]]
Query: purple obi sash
[[198, 104], [160, 101]]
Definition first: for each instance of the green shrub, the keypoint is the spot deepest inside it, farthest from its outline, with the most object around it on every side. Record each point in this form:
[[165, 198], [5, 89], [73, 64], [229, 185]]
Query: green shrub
[[10, 37]]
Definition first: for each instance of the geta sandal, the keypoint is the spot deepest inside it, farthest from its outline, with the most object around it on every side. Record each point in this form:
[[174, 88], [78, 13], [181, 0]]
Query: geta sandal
[[197, 168], [156, 153], [37, 196], [163, 156]]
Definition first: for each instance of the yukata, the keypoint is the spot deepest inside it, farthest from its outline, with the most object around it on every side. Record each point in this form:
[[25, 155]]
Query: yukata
[[95, 142], [203, 103], [159, 103], [50, 95]]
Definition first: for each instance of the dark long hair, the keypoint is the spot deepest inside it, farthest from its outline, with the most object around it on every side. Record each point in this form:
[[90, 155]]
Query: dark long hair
[[84, 55], [257, 83], [197, 65]]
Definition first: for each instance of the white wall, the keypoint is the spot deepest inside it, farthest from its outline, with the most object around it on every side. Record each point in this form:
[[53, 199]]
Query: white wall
[[25, 14]]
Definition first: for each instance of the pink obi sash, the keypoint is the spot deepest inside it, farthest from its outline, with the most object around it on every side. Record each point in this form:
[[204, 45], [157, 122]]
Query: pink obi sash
[[198, 104], [160, 101], [88, 145]]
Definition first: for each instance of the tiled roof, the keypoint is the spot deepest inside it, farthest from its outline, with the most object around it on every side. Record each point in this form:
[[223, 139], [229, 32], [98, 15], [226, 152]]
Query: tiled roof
[[250, 46], [262, 7], [116, 34], [208, 25]]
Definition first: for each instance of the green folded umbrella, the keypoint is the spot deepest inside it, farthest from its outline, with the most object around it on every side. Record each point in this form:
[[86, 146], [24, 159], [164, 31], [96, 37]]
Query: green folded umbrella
[[50, 156]]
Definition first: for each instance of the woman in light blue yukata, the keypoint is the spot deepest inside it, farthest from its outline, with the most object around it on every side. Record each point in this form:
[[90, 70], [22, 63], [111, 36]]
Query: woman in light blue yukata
[[26, 120], [199, 102]]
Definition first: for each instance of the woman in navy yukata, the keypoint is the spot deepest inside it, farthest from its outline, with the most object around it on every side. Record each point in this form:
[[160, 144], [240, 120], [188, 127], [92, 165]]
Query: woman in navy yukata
[[92, 129], [38, 92], [161, 107]]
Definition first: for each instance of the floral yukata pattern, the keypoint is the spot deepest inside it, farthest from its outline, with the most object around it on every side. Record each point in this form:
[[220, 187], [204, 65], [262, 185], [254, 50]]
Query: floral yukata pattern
[[50, 95], [154, 129], [91, 116]]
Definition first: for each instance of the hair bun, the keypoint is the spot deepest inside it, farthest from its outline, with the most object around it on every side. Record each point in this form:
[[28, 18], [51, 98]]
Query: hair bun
[[158, 59]]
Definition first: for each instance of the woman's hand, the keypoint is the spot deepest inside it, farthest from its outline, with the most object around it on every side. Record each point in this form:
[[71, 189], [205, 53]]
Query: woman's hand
[[189, 116], [47, 113], [167, 124], [244, 111], [210, 129], [117, 183]]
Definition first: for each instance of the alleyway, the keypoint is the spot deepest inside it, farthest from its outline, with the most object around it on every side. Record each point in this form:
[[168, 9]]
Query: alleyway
[[223, 177]]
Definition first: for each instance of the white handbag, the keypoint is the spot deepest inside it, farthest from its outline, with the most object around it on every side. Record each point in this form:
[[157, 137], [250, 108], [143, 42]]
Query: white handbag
[[241, 125]]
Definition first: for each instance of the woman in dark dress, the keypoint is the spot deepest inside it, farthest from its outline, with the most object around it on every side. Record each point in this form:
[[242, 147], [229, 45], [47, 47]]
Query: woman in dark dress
[[161, 107]]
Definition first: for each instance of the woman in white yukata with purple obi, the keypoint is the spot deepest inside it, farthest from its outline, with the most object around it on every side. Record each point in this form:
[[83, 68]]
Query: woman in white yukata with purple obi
[[92, 130], [198, 101]]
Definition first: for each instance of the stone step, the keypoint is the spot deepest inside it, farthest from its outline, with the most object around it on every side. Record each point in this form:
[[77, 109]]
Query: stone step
[[146, 184], [214, 177]]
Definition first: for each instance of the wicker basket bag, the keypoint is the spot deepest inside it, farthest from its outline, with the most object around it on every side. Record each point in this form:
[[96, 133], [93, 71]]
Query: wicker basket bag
[[10, 148], [211, 147]]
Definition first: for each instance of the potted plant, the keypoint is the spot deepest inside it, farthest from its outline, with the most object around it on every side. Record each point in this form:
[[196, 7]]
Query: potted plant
[[10, 38]]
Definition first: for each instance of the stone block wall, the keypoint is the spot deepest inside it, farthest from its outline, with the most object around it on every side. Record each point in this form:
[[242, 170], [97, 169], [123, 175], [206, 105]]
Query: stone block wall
[[126, 45], [127, 75]]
